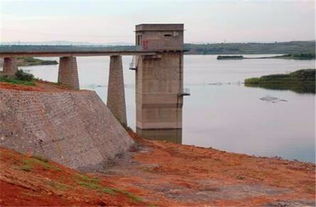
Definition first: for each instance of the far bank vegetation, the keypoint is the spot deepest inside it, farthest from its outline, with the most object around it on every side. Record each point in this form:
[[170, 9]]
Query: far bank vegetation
[[297, 56], [31, 61], [301, 81]]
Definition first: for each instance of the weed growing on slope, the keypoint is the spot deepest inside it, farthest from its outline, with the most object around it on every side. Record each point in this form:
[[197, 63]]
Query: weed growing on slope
[[29, 164], [38, 157], [94, 184], [59, 186]]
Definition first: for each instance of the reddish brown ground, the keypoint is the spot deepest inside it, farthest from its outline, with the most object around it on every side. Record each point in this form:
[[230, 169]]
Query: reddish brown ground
[[159, 174], [28, 181], [39, 86]]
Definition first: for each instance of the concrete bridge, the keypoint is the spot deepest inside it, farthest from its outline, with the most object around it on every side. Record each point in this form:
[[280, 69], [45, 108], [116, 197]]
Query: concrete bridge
[[159, 78]]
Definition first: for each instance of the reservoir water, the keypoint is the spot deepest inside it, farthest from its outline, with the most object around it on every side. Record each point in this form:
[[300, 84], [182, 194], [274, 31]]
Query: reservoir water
[[221, 112]]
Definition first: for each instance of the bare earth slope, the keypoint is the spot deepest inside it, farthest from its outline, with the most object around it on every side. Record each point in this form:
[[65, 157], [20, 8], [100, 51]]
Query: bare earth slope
[[74, 128], [160, 174], [34, 181]]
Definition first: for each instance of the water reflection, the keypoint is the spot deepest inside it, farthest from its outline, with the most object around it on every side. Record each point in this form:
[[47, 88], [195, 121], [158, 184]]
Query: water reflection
[[170, 135]]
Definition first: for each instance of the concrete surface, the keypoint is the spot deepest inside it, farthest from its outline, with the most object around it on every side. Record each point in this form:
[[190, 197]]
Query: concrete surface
[[68, 72], [73, 128], [159, 79], [9, 66], [116, 94]]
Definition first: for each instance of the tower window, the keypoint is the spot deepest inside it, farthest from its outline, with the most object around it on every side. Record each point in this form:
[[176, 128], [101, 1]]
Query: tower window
[[138, 39]]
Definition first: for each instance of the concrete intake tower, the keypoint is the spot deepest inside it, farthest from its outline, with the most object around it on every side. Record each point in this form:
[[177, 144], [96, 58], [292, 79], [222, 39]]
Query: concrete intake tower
[[159, 81]]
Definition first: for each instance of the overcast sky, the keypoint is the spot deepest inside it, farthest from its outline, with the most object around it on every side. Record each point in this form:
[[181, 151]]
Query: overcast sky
[[111, 21]]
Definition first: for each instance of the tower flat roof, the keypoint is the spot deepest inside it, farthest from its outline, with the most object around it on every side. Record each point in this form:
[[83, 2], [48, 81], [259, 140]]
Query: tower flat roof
[[159, 27]]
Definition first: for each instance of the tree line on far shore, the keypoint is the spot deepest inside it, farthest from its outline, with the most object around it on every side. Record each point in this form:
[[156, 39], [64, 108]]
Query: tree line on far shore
[[294, 47]]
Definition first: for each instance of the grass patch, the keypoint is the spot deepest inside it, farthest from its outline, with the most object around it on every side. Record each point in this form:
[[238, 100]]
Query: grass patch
[[94, 184], [97, 187], [20, 78], [26, 168], [88, 179], [59, 186], [301, 81], [13, 80], [30, 163], [108, 190], [129, 194], [40, 158]]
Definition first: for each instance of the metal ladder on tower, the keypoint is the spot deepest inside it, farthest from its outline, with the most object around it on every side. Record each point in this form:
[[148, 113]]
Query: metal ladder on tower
[[133, 64]]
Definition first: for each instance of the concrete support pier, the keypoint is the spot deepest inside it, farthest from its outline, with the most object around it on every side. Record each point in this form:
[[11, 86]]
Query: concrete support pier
[[116, 95], [9, 66], [68, 72]]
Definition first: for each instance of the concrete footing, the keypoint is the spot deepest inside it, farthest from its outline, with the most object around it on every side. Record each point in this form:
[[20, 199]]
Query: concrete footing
[[170, 135], [116, 95], [9, 66], [68, 72]]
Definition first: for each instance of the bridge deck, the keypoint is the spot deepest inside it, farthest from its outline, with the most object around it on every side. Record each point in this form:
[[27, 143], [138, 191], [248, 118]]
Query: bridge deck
[[73, 53]]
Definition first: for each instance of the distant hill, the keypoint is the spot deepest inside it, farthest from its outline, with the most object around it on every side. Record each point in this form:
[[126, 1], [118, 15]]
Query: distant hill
[[252, 48], [56, 48], [69, 43], [294, 47]]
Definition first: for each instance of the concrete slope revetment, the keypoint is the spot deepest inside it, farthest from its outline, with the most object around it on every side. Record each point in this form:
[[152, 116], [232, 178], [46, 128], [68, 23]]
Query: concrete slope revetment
[[74, 128]]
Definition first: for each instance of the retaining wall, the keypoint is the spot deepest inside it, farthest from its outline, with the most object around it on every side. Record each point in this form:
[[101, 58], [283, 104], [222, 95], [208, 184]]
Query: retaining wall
[[73, 128]]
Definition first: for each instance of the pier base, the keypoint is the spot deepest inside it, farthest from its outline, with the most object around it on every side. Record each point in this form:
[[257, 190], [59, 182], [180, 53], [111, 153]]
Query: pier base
[[9, 66], [170, 135], [116, 95], [68, 72]]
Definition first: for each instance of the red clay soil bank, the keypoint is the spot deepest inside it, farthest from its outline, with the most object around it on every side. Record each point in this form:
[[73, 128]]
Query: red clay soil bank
[[34, 181], [39, 86], [160, 174]]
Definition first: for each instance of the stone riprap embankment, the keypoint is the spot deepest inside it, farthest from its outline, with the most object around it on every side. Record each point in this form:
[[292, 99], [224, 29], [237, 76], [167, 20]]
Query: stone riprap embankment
[[74, 128]]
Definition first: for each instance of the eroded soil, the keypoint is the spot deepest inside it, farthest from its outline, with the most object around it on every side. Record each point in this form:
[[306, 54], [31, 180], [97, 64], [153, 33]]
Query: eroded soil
[[157, 173]]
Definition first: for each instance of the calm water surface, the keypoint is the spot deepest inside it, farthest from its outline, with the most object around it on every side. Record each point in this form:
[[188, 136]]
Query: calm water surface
[[221, 112]]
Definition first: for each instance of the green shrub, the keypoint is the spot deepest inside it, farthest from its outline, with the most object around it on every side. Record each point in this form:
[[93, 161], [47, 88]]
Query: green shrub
[[14, 80], [23, 76], [301, 81]]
